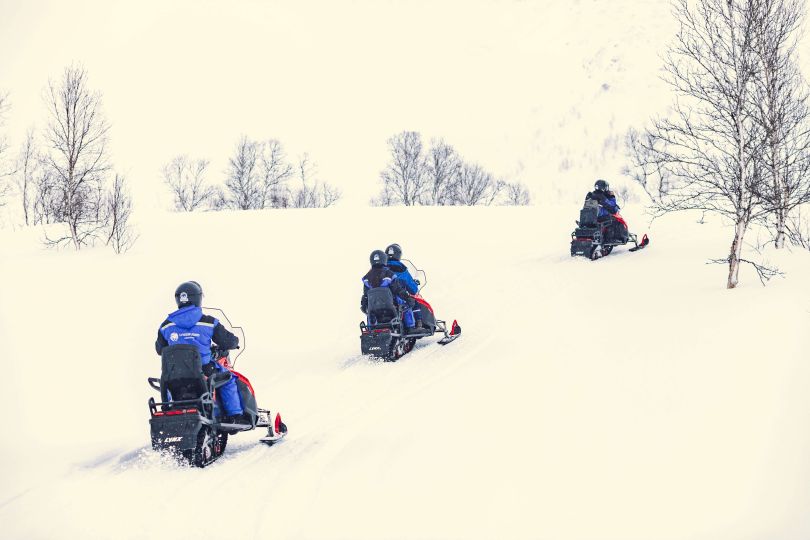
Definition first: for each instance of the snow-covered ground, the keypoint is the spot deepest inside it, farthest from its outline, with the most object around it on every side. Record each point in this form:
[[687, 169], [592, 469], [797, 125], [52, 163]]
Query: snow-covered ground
[[630, 398]]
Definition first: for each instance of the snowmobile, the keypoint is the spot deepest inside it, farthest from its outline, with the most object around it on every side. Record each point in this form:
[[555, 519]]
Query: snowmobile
[[384, 334], [187, 421], [595, 239]]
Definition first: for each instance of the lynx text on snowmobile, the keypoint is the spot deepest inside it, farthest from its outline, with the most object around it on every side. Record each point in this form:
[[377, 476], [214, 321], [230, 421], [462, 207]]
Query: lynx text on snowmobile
[[384, 335], [594, 238], [187, 419]]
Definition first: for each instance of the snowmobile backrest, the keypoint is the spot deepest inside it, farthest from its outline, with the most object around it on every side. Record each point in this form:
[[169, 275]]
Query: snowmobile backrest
[[589, 213], [181, 373], [381, 303]]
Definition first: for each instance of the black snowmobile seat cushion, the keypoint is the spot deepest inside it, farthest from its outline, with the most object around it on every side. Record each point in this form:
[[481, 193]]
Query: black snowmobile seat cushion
[[381, 303], [587, 217], [181, 372]]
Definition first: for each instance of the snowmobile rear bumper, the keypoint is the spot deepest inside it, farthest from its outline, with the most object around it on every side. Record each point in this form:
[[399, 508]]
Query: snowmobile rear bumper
[[377, 341], [582, 246], [175, 429]]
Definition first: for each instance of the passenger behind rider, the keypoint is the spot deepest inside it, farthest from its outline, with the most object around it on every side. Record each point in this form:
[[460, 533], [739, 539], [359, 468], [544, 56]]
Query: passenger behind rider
[[381, 276]]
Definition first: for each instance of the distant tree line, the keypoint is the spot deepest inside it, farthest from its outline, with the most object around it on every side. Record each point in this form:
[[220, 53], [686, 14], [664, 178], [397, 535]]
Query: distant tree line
[[438, 175], [258, 176], [737, 143]]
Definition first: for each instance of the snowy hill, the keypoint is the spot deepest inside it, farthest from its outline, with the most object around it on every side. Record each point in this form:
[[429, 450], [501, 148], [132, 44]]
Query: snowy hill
[[632, 397]]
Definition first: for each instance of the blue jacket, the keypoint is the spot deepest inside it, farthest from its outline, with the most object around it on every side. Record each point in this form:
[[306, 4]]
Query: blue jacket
[[404, 276], [188, 325], [607, 202]]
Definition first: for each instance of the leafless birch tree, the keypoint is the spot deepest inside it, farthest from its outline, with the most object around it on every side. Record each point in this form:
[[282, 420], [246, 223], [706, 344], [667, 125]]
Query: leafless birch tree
[[476, 186], [77, 156], [257, 174], [712, 144], [243, 178], [275, 171], [648, 166], [781, 107], [441, 168], [5, 170], [517, 194], [312, 193], [117, 213], [404, 179], [27, 170], [186, 179]]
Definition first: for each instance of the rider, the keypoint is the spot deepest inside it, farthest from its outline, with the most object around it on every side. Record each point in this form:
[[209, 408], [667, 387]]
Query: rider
[[607, 206], [394, 252], [382, 276], [188, 325]]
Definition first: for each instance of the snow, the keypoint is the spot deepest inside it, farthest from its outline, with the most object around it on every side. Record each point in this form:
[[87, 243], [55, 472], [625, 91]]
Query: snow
[[629, 398]]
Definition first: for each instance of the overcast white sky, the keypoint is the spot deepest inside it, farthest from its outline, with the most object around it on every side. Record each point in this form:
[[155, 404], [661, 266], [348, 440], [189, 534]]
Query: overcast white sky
[[513, 85]]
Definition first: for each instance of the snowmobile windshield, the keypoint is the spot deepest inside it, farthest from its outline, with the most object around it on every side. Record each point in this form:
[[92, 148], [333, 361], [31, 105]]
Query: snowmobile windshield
[[238, 331], [416, 273]]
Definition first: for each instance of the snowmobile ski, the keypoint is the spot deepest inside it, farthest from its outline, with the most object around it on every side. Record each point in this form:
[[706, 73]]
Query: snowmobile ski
[[276, 429], [645, 241], [455, 332]]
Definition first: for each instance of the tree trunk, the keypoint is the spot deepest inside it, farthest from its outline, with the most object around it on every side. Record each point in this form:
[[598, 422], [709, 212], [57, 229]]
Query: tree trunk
[[735, 253], [779, 241]]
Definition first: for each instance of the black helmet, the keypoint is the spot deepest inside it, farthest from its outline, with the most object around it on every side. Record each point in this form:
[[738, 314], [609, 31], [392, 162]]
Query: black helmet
[[394, 252], [601, 185], [188, 294], [378, 258]]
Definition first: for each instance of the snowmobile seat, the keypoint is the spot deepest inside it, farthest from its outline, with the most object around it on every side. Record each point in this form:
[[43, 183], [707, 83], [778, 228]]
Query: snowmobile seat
[[381, 304], [588, 216], [181, 373]]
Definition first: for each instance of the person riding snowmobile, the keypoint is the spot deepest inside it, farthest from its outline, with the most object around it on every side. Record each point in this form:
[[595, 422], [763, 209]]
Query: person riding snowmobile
[[394, 252], [382, 276], [188, 325], [607, 208], [607, 200]]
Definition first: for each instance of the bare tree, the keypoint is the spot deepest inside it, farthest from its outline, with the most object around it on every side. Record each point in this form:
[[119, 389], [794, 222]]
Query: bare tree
[[517, 194], [798, 228], [312, 193], [5, 188], [476, 186], [186, 178], [243, 180], [712, 144], [384, 198], [26, 175], [648, 165], [275, 171], [404, 179], [441, 168], [77, 157], [257, 174], [781, 107], [117, 213]]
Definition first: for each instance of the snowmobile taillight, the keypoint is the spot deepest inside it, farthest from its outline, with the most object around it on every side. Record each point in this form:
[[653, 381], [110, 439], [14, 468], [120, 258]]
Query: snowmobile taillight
[[382, 331], [176, 412]]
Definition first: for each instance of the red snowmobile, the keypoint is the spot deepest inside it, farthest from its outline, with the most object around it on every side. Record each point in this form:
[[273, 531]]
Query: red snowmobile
[[187, 418], [384, 334], [595, 238]]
